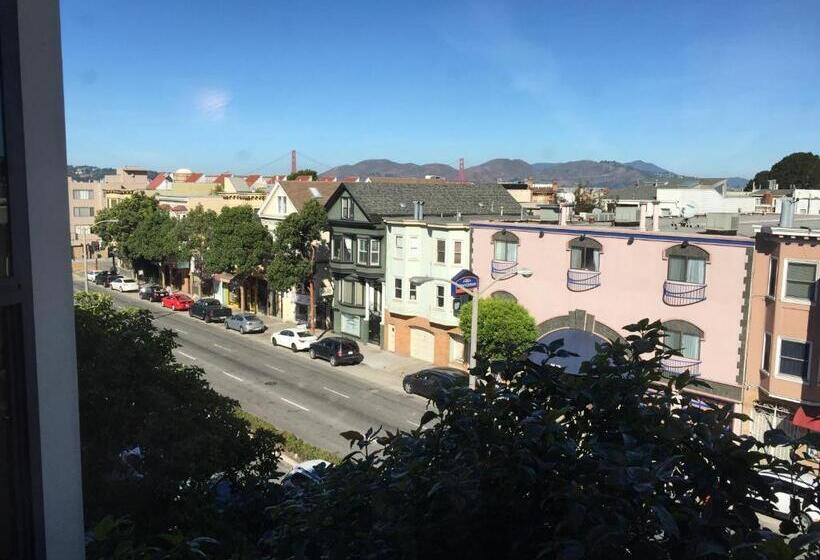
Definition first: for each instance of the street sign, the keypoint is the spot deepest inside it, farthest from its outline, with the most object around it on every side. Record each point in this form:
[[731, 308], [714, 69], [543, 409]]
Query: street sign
[[463, 279]]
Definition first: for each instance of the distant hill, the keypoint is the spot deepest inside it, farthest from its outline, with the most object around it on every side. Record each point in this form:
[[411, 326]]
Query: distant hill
[[88, 173], [611, 174]]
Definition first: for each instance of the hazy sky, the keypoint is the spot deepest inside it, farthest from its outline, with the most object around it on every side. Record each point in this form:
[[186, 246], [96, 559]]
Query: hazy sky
[[707, 88]]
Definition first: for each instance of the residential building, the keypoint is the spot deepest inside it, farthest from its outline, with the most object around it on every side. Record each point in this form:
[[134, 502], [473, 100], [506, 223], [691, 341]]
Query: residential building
[[41, 502], [420, 320], [286, 198], [128, 177], [697, 196], [356, 215], [783, 357], [589, 282], [85, 200]]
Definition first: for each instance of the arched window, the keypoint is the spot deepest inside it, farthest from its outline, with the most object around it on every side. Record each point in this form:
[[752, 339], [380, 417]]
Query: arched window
[[501, 294], [505, 247], [687, 263], [585, 254], [683, 337], [580, 342]]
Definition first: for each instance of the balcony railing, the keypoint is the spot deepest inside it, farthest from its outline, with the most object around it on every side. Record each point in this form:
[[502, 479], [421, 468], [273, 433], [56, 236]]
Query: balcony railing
[[502, 270], [582, 280], [678, 364], [683, 293]]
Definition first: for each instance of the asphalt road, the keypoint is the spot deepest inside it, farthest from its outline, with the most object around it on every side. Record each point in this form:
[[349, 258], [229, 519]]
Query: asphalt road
[[305, 397]]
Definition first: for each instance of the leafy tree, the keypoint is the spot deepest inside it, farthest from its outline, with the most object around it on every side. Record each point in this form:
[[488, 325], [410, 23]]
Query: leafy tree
[[238, 244], [761, 180], [615, 463], [303, 172], [584, 202], [195, 229], [504, 327], [158, 443], [800, 169], [293, 247]]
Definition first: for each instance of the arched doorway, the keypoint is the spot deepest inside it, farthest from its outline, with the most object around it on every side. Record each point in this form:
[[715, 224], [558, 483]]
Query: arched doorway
[[578, 341]]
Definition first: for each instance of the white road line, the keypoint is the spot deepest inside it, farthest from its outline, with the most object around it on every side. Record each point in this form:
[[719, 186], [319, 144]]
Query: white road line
[[181, 353], [294, 404], [274, 368], [232, 376], [335, 392], [222, 347], [181, 331], [416, 424]]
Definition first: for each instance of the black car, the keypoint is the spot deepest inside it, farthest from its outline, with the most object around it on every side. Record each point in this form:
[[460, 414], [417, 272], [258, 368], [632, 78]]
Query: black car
[[428, 382], [104, 278], [153, 292], [336, 350], [209, 309]]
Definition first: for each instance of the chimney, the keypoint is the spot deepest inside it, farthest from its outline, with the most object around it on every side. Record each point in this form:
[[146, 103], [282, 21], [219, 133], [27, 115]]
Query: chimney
[[419, 210], [787, 212], [562, 215], [642, 217], [656, 217]]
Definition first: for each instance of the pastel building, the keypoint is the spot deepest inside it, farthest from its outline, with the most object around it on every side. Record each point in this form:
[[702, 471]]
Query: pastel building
[[589, 282], [783, 360]]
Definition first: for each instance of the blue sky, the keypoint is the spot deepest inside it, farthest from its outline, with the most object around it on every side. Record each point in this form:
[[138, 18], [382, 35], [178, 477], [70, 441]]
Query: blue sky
[[706, 88]]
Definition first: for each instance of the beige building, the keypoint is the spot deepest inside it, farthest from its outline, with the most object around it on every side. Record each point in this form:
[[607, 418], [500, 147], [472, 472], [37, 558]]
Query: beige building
[[85, 200]]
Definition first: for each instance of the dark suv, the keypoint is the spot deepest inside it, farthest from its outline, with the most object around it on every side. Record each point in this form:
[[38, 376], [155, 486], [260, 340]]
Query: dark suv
[[209, 309], [428, 382], [336, 350], [105, 277]]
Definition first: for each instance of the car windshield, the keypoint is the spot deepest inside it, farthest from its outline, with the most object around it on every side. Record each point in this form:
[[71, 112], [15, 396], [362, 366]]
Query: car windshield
[[250, 318], [304, 334], [183, 298]]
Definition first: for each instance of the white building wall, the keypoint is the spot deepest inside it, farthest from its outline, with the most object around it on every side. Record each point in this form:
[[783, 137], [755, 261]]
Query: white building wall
[[672, 201]]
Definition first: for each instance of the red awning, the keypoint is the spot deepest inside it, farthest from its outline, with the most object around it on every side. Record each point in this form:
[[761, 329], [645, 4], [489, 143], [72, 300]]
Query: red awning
[[807, 417]]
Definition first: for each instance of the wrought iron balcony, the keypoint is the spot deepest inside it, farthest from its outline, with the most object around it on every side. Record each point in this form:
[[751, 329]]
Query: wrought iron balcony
[[582, 280], [676, 365], [683, 293], [502, 270]]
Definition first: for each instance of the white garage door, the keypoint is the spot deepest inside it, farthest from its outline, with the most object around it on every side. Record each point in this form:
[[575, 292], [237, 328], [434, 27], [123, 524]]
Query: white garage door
[[421, 345]]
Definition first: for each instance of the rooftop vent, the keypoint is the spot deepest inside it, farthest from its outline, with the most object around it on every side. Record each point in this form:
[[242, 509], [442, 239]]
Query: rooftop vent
[[722, 222], [315, 192]]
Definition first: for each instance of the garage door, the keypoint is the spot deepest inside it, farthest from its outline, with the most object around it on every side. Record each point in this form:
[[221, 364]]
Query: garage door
[[421, 345]]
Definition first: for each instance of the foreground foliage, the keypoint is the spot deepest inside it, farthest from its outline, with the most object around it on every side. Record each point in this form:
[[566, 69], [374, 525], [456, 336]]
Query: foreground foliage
[[611, 464]]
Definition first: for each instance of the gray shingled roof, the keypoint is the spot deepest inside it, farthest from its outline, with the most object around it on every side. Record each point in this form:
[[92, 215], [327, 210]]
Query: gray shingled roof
[[385, 200], [642, 192]]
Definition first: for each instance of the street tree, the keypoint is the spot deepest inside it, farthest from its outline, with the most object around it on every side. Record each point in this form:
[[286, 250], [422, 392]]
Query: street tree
[[294, 247], [619, 462], [504, 327], [584, 201], [158, 443], [302, 173], [194, 230], [239, 244], [800, 170]]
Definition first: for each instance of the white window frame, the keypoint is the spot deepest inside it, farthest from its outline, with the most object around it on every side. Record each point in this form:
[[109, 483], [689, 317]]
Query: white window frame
[[414, 251], [784, 281], [78, 214], [442, 297], [412, 292], [399, 247], [444, 258], [81, 192], [398, 285], [771, 287], [282, 204], [458, 244], [362, 243], [764, 367], [789, 377], [347, 208], [377, 253]]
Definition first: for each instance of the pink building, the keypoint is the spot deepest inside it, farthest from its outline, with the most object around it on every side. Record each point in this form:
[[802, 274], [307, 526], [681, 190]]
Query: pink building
[[589, 282]]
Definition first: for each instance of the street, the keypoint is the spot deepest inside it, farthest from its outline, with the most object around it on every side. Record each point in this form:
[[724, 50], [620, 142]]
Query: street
[[308, 398]]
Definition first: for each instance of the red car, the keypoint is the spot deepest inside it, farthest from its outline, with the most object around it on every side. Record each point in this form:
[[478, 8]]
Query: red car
[[177, 302]]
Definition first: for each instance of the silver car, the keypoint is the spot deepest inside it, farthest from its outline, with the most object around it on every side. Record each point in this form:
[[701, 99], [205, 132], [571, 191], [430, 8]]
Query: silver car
[[245, 323]]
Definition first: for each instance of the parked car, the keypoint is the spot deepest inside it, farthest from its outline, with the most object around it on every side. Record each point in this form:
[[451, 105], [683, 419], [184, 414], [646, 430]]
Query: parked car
[[125, 285], [428, 382], [245, 323], [177, 302], [296, 339], [209, 309], [92, 275], [304, 475], [100, 278], [336, 350], [786, 488], [110, 278], [153, 292]]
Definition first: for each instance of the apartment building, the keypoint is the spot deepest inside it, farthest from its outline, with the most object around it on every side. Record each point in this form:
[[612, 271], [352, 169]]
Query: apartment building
[[783, 359], [85, 200], [419, 317], [589, 282]]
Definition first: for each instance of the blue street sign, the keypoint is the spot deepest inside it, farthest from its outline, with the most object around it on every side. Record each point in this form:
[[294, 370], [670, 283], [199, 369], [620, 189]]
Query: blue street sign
[[464, 279]]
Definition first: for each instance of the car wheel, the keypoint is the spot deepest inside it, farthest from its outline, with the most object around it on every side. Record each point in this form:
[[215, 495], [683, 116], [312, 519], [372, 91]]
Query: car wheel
[[241, 330], [208, 319], [333, 361], [293, 347], [408, 388], [190, 313], [312, 354], [226, 326]]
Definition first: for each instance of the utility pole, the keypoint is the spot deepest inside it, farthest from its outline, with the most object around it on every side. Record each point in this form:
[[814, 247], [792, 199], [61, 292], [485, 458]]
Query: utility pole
[[311, 290]]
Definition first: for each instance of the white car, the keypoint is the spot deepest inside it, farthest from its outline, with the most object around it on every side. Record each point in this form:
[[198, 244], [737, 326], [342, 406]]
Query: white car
[[125, 285], [92, 275], [297, 339], [804, 489]]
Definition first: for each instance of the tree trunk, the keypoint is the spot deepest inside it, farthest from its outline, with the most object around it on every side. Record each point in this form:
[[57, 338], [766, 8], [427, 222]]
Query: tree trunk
[[242, 296]]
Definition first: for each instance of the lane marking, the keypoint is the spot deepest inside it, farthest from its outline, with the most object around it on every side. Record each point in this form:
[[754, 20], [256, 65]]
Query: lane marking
[[416, 424], [180, 331], [294, 404], [274, 368], [181, 353], [335, 392], [222, 347], [232, 376]]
